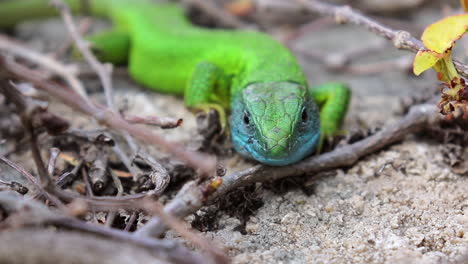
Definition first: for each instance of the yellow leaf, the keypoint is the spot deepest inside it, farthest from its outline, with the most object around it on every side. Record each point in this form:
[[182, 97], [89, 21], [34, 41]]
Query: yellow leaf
[[424, 60], [441, 36]]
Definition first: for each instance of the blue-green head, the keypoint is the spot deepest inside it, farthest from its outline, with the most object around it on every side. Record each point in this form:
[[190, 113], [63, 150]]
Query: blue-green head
[[275, 123]]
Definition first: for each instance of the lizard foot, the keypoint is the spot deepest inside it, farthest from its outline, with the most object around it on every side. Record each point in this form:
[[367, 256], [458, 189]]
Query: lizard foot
[[207, 109], [329, 141], [213, 133]]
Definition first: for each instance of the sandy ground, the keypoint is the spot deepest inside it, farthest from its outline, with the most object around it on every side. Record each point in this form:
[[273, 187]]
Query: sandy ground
[[401, 205]]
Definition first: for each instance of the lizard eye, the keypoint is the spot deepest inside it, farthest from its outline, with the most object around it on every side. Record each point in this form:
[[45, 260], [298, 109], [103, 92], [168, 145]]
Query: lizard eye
[[246, 118], [304, 115]]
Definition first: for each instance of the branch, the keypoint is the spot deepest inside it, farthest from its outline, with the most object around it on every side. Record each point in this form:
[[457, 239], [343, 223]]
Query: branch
[[27, 112], [189, 199], [53, 155], [345, 14], [47, 62], [162, 122], [189, 234], [101, 202], [32, 245], [204, 163], [13, 186], [24, 212], [102, 71]]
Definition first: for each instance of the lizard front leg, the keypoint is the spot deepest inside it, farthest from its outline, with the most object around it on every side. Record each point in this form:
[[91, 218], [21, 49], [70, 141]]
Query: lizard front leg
[[333, 100], [208, 88]]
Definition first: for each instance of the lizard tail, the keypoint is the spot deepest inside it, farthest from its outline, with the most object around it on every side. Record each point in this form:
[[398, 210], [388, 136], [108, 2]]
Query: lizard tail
[[14, 11]]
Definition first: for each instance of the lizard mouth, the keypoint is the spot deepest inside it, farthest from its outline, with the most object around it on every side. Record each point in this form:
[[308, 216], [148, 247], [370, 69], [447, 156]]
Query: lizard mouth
[[298, 152]]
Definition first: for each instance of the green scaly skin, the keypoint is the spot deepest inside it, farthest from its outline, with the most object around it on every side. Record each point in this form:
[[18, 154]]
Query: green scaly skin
[[274, 115]]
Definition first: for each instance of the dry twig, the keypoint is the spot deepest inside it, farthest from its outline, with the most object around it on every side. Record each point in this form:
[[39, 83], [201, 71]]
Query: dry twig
[[54, 154], [14, 186], [67, 72], [118, 184], [103, 71], [189, 234], [27, 112], [83, 27], [37, 214], [36, 245], [345, 14], [45, 185], [204, 163], [163, 122]]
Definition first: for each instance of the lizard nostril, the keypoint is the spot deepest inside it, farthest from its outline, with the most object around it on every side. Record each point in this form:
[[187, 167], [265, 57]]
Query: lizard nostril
[[246, 118], [304, 116]]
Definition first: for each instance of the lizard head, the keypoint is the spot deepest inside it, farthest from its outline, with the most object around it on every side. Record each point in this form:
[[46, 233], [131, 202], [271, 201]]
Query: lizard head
[[275, 123]]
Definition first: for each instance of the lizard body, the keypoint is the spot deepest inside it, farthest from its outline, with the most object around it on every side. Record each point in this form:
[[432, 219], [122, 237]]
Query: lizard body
[[275, 118]]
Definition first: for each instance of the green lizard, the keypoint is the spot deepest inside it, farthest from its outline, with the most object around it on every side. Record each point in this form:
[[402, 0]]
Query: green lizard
[[275, 118]]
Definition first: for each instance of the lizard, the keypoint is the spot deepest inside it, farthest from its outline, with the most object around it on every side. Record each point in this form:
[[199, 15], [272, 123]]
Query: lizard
[[276, 118]]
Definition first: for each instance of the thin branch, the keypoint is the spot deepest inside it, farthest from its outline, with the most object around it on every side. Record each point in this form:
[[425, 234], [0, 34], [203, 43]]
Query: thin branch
[[103, 71], [14, 186], [131, 221], [33, 180], [89, 190], [83, 27], [345, 14], [100, 203], [158, 174], [189, 234], [67, 72], [189, 199], [54, 154], [205, 163], [68, 177], [38, 245], [37, 214], [118, 185], [27, 112], [134, 171], [163, 122]]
